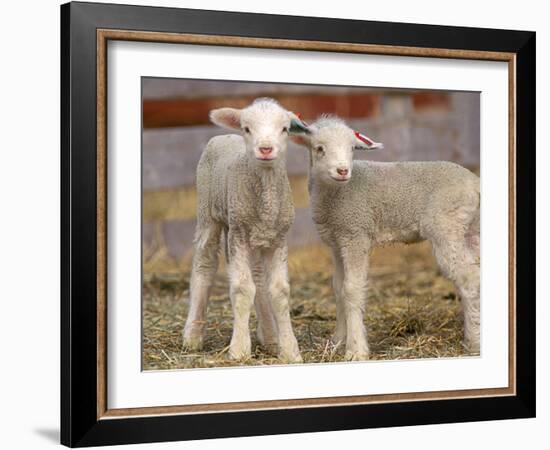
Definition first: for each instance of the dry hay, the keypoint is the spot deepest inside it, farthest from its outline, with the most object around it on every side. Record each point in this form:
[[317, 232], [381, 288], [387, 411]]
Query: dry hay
[[412, 312]]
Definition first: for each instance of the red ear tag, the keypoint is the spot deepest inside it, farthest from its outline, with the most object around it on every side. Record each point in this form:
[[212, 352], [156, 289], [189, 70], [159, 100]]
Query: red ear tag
[[364, 138], [302, 120]]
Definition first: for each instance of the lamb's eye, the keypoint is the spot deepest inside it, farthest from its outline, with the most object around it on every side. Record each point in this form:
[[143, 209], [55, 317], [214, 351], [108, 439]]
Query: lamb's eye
[[285, 130], [246, 130], [320, 149]]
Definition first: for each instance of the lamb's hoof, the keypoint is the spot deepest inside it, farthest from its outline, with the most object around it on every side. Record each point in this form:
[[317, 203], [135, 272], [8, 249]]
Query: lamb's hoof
[[238, 355], [289, 352], [192, 343], [357, 355], [472, 347], [239, 352], [291, 357]]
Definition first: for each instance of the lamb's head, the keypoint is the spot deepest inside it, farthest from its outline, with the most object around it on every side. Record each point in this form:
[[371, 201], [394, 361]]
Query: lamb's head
[[265, 126], [331, 143]]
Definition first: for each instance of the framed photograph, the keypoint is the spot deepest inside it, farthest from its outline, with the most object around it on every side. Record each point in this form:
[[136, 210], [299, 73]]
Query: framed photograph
[[277, 224]]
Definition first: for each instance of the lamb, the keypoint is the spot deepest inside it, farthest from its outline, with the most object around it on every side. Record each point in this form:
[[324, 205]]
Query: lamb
[[243, 191], [383, 203]]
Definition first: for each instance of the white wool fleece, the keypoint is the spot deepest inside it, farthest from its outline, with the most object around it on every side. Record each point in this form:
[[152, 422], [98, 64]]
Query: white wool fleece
[[359, 205], [243, 191]]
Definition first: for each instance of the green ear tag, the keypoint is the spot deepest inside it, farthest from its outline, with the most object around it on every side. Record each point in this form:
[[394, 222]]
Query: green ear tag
[[298, 127]]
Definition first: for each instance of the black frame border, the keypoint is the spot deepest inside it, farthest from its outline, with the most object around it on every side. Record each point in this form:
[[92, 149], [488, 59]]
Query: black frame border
[[79, 423]]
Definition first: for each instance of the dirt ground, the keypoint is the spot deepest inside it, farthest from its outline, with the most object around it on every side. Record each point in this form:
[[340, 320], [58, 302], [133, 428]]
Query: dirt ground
[[412, 312]]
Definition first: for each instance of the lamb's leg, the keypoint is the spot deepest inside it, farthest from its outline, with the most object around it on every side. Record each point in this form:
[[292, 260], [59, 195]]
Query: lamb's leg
[[353, 294], [242, 291], [339, 336], [266, 326], [458, 263], [205, 264], [276, 264], [472, 235]]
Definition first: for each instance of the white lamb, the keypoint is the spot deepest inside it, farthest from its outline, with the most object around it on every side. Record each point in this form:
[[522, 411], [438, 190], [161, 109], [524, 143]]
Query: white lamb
[[243, 191], [363, 204]]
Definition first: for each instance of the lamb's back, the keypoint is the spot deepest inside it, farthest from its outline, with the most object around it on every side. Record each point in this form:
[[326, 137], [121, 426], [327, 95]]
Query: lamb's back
[[387, 201], [223, 156]]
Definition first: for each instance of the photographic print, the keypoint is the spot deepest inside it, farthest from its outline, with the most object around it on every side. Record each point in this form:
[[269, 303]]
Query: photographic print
[[311, 212], [296, 223]]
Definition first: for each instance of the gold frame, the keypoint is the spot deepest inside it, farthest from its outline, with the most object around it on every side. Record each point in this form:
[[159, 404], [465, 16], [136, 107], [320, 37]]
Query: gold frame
[[104, 35]]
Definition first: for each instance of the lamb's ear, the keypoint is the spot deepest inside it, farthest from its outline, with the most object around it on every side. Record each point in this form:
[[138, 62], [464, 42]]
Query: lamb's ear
[[363, 142], [227, 118]]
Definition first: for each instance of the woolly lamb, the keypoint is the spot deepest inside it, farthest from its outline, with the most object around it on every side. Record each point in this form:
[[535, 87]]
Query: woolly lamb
[[383, 203], [243, 191]]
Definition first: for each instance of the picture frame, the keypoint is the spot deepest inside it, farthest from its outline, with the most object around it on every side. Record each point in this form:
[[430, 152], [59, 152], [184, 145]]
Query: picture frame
[[86, 418]]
